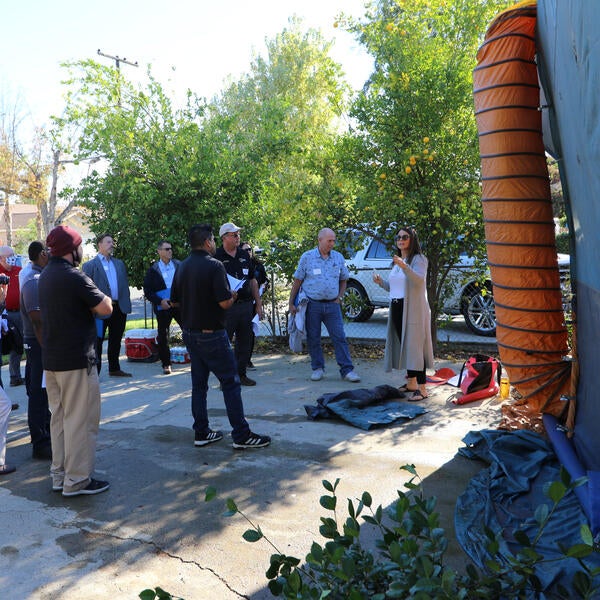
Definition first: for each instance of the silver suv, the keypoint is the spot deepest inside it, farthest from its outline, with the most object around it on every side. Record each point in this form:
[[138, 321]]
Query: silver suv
[[469, 290]]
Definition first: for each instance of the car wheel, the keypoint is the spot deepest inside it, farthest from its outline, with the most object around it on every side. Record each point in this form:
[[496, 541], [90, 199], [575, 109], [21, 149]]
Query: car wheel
[[479, 310], [355, 304]]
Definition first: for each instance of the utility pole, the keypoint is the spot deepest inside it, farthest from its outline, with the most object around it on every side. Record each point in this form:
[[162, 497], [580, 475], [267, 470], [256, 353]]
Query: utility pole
[[118, 60]]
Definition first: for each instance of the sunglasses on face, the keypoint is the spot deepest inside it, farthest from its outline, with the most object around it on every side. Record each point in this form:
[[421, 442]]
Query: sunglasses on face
[[403, 237]]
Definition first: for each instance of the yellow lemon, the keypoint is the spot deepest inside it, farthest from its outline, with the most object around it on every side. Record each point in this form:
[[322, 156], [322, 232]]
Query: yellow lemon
[[408, 170], [426, 140]]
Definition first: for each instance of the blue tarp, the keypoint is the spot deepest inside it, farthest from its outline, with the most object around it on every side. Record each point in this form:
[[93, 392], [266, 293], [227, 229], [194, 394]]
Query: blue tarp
[[365, 408], [568, 48], [504, 497]]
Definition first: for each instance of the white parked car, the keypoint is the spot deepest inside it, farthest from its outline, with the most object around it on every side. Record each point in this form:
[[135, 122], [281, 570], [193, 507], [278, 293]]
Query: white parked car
[[469, 292]]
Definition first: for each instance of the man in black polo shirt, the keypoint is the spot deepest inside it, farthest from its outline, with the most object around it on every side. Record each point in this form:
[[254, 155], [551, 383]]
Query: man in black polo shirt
[[201, 290], [69, 302], [238, 322]]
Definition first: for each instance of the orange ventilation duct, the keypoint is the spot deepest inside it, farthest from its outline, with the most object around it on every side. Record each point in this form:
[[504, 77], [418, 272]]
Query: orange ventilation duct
[[517, 211]]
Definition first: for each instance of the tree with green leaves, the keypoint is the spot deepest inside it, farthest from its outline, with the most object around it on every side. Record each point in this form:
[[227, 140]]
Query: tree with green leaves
[[259, 154], [281, 122], [414, 149], [159, 170]]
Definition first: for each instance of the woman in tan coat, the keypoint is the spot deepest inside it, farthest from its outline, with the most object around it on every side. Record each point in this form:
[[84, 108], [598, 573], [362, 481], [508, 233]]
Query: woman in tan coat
[[408, 342]]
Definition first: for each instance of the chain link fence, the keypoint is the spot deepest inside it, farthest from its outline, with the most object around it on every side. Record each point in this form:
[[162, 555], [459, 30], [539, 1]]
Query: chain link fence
[[274, 326]]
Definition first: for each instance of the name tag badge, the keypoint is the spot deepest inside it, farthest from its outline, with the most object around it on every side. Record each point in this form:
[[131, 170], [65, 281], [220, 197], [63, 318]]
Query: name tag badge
[[316, 271], [245, 271]]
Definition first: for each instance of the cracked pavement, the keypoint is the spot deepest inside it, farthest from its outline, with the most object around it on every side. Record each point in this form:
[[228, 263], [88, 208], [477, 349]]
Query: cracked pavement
[[153, 526]]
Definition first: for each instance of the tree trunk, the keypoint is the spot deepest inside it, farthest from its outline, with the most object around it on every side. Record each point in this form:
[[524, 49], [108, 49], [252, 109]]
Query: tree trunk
[[8, 220]]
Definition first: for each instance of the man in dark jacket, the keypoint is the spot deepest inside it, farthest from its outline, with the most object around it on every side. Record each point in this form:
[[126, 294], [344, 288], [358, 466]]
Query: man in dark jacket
[[157, 289]]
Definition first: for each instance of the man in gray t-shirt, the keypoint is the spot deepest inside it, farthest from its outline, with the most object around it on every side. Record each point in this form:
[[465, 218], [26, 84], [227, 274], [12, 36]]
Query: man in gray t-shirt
[[322, 274], [38, 414]]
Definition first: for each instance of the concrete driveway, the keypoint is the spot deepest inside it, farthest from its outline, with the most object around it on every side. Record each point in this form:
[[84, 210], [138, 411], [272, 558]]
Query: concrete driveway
[[153, 528]]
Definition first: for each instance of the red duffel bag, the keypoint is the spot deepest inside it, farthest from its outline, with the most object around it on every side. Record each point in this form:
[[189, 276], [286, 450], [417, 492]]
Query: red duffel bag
[[479, 378]]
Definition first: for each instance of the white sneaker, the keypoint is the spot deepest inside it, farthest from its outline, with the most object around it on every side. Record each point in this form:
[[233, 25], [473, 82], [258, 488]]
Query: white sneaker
[[317, 375], [352, 376]]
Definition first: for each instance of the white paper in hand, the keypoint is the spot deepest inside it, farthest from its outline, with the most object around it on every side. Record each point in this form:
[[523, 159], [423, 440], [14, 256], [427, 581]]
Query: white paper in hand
[[234, 283]]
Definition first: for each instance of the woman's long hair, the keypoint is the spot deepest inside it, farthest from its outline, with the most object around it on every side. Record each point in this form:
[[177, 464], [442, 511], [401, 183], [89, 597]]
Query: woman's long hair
[[414, 246]]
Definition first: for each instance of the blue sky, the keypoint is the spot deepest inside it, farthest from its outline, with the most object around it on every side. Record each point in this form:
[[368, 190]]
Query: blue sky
[[192, 44]]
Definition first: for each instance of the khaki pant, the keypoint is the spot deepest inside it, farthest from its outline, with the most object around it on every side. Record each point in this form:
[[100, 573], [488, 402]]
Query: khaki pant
[[74, 401]]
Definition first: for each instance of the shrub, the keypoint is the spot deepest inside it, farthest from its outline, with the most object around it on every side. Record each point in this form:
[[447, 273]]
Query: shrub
[[409, 557], [409, 562]]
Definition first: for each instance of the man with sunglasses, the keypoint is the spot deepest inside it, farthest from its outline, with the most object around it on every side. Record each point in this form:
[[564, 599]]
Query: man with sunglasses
[[238, 319], [157, 289]]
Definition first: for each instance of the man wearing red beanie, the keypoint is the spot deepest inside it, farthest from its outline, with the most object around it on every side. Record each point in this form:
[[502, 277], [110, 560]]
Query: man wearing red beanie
[[69, 303]]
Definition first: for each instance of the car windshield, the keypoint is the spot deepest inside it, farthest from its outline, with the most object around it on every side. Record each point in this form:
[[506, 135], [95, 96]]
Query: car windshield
[[349, 243], [379, 249]]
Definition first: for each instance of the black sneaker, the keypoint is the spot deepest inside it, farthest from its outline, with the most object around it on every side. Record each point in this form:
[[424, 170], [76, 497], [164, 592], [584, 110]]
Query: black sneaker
[[93, 487], [251, 366], [245, 380], [208, 438], [15, 381], [254, 441]]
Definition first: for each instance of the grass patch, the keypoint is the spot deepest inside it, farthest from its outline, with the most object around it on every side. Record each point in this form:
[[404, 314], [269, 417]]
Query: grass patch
[[140, 324]]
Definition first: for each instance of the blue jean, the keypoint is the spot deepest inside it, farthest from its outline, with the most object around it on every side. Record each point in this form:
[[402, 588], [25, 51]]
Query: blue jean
[[212, 352], [330, 314]]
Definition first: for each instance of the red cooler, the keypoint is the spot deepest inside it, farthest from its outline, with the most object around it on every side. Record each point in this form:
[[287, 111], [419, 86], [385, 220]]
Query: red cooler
[[140, 345]]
